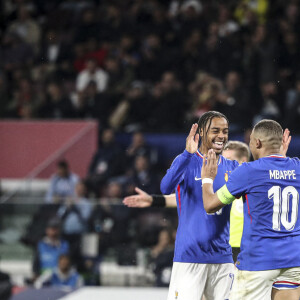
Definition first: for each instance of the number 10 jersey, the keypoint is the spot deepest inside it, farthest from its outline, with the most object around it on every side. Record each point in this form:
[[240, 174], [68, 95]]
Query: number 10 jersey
[[270, 187]]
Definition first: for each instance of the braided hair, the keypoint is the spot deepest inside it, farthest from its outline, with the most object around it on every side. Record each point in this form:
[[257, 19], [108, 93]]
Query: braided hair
[[205, 120]]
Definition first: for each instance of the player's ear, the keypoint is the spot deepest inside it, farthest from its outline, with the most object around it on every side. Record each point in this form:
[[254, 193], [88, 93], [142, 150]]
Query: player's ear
[[201, 132], [244, 159], [258, 143]]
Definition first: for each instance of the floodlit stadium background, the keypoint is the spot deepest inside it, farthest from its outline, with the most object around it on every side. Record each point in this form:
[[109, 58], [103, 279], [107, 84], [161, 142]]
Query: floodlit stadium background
[[111, 88]]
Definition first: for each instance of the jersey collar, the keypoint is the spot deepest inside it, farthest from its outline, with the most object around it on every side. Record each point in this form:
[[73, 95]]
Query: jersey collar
[[276, 155], [202, 156]]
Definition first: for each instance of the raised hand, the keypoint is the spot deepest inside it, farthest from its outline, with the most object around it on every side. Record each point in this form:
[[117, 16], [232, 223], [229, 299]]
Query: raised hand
[[286, 139], [192, 141], [210, 165], [142, 199]]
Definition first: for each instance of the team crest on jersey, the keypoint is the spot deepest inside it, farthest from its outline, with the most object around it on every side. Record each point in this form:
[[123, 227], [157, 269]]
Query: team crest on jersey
[[176, 295], [226, 176]]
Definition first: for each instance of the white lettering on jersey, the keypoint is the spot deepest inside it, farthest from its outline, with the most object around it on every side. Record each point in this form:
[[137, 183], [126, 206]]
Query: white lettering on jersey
[[282, 174]]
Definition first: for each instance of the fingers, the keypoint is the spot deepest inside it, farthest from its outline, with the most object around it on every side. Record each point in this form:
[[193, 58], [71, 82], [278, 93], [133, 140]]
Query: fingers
[[131, 201], [193, 130], [286, 135], [197, 137]]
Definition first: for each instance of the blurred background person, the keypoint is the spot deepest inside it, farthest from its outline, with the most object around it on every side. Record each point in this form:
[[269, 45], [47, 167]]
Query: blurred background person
[[62, 184], [49, 249], [63, 276]]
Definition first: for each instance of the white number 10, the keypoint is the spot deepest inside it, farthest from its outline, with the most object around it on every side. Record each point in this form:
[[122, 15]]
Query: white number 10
[[281, 206]]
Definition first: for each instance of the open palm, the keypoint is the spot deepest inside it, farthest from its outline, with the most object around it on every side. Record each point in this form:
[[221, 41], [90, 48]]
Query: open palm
[[192, 141]]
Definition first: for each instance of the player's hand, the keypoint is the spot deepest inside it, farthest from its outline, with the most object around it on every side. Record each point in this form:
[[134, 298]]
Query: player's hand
[[210, 165], [286, 139], [192, 141], [142, 199]]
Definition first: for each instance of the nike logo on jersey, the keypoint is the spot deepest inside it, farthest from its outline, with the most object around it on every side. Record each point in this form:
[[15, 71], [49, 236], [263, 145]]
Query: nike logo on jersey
[[196, 178]]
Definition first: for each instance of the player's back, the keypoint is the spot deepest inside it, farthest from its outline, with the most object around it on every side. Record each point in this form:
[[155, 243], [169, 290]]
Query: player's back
[[271, 236]]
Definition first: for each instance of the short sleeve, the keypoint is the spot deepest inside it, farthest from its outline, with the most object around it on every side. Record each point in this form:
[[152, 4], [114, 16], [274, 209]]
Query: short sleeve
[[238, 181]]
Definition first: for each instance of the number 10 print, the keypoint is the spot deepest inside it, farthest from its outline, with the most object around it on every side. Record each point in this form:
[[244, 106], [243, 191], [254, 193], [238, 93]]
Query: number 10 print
[[281, 207]]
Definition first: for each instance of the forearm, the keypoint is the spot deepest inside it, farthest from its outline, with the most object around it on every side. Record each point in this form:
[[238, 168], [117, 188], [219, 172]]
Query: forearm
[[171, 200], [163, 200], [175, 173], [211, 200]]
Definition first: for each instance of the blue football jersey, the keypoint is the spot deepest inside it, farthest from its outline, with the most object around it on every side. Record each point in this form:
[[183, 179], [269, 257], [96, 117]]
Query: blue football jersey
[[271, 235], [201, 237]]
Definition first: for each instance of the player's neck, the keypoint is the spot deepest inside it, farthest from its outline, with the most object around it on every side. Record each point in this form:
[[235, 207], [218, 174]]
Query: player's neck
[[268, 152], [203, 150]]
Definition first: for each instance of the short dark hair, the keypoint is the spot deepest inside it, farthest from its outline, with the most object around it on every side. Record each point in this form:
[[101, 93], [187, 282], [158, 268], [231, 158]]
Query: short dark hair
[[63, 164], [206, 119], [242, 149], [270, 131], [65, 255]]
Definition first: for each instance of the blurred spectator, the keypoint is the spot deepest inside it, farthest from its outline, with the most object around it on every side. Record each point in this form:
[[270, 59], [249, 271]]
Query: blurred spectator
[[176, 7], [52, 50], [246, 8], [119, 77], [234, 102], [106, 163], [74, 215], [131, 113], [205, 91], [226, 23], [153, 58], [24, 99], [56, 105], [62, 184], [162, 256], [168, 100], [90, 49], [269, 106], [15, 53], [127, 51], [110, 219], [88, 26], [26, 28], [63, 276], [92, 104], [143, 176], [292, 107], [193, 58], [139, 147], [49, 249], [92, 73]]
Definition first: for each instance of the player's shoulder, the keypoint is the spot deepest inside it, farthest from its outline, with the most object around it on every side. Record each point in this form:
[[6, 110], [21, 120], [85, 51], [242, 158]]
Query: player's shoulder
[[232, 163], [294, 160]]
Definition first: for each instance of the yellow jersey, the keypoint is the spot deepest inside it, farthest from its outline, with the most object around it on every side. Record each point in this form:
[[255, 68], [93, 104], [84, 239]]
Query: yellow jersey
[[236, 223]]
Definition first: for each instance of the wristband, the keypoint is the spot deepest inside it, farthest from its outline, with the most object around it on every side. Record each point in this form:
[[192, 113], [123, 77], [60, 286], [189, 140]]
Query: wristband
[[207, 180], [158, 201]]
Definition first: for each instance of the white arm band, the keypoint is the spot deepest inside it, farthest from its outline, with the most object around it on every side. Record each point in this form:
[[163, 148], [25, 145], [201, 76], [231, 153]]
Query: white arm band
[[207, 180]]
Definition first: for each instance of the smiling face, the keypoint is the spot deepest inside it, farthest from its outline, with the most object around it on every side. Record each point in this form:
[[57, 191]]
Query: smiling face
[[215, 136]]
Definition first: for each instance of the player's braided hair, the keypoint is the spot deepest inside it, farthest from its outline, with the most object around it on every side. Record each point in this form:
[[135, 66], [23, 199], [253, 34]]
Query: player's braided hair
[[205, 120]]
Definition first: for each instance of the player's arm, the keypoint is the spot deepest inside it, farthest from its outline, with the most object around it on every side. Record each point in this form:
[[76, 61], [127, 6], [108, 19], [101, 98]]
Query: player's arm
[[143, 199], [211, 200], [177, 170], [234, 188]]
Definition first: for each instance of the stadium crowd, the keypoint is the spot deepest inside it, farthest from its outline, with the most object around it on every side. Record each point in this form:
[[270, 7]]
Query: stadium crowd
[[138, 66], [131, 63]]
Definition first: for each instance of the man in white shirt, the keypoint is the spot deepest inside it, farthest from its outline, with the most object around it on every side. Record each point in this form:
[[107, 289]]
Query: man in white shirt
[[92, 73]]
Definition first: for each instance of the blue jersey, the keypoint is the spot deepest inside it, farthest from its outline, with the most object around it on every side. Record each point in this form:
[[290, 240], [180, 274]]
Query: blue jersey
[[271, 235], [201, 237]]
